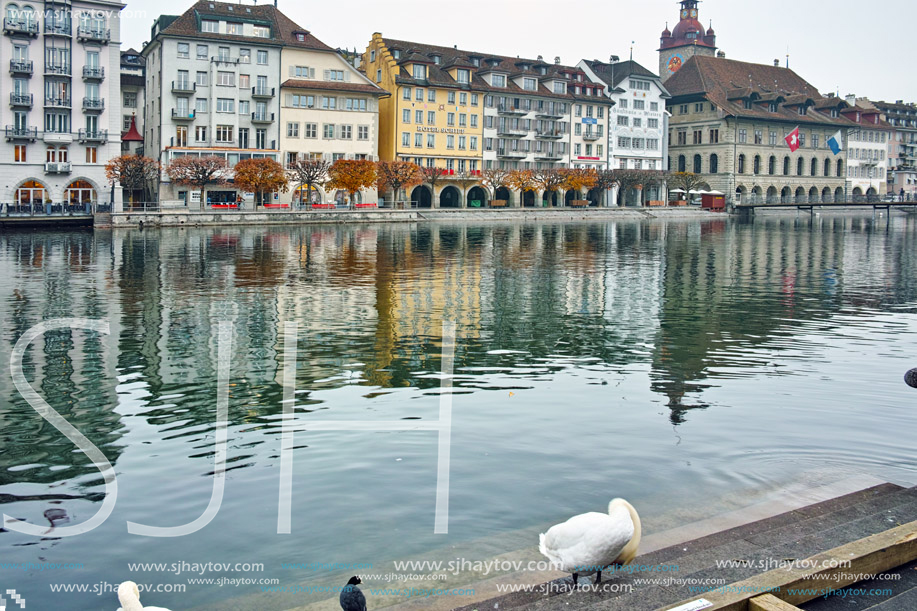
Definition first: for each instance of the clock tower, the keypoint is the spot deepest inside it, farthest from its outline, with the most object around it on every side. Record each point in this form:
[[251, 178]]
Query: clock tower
[[685, 41]]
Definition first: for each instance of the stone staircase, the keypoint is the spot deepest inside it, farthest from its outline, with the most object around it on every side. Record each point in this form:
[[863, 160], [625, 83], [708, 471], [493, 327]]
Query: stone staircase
[[794, 535]]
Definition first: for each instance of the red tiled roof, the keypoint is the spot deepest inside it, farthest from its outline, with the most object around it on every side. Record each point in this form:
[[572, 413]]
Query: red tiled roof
[[438, 76], [283, 29], [728, 83]]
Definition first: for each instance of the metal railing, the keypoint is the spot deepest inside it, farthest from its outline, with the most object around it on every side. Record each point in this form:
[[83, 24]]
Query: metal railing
[[91, 33], [57, 69], [90, 72], [93, 103], [21, 66], [18, 26], [184, 86], [262, 92], [21, 133], [85, 135], [50, 209], [20, 99]]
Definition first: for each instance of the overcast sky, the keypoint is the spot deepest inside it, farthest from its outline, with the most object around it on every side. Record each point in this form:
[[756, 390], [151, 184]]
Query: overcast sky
[[844, 46]]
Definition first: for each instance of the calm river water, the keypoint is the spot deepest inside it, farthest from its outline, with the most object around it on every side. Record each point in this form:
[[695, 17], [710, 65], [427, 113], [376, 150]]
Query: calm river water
[[670, 362]]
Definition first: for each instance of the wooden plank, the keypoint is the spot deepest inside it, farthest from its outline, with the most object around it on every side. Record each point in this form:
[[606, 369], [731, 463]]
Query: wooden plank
[[769, 602], [874, 554]]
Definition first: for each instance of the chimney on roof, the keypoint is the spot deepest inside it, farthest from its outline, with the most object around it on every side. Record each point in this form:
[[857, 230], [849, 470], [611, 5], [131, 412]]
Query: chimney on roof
[[557, 60], [540, 58], [851, 99], [614, 59], [899, 101], [777, 63], [721, 54]]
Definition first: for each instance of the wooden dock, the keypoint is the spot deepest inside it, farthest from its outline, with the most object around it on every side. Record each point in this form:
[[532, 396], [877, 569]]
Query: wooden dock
[[874, 529]]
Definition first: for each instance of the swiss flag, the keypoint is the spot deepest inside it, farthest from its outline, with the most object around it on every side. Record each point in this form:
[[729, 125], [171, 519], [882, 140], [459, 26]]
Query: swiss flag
[[792, 140]]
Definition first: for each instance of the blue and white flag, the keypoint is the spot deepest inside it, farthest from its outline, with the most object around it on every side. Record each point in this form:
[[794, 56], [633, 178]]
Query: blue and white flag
[[835, 142]]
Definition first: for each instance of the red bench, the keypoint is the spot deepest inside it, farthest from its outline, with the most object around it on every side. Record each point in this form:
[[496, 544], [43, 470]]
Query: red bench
[[368, 205], [323, 206], [276, 205], [224, 206]]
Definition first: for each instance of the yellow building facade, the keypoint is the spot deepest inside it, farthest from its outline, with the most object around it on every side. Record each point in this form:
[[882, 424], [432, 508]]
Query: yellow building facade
[[433, 116]]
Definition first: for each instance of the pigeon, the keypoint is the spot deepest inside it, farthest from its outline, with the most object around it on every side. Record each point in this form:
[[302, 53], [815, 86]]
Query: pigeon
[[352, 598]]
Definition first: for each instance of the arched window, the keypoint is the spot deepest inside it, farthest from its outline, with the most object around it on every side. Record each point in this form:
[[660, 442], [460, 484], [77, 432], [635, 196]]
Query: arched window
[[697, 164], [12, 12], [51, 154], [840, 168], [682, 164], [772, 165], [32, 192], [714, 163], [814, 169], [63, 154], [757, 164], [741, 164], [786, 166], [79, 193], [827, 167], [799, 166]]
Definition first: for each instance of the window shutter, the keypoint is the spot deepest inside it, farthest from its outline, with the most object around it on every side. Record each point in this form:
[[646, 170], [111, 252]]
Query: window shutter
[[292, 70], [289, 99], [346, 76], [327, 74]]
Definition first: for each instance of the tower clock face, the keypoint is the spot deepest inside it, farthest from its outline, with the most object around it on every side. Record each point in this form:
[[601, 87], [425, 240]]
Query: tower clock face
[[675, 63], [694, 13], [684, 14]]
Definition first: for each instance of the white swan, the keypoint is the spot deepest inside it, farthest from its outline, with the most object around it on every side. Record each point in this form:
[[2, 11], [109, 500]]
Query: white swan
[[590, 542], [129, 597]]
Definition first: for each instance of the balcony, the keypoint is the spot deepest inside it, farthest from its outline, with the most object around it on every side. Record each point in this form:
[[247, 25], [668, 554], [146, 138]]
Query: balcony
[[508, 154], [550, 134], [512, 132], [21, 133], [93, 104], [592, 136], [93, 34], [262, 92], [19, 26], [53, 69], [183, 87], [91, 73], [550, 112], [58, 28], [262, 117], [100, 136], [21, 67], [57, 102], [21, 100], [549, 156], [509, 109], [60, 167], [182, 114]]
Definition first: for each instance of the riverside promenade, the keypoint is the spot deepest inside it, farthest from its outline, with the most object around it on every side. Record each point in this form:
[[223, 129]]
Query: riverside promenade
[[169, 218]]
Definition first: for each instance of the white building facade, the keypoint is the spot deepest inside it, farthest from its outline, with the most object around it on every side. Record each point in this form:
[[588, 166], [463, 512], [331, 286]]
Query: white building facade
[[63, 120], [638, 126], [213, 85], [329, 110]]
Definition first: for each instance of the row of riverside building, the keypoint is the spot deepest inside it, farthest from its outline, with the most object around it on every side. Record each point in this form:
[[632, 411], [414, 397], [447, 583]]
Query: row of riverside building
[[244, 81]]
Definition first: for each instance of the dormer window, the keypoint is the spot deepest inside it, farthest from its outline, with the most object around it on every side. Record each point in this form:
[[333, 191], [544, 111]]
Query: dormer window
[[773, 107], [463, 76], [302, 38], [437, 59], [209, 25], [834, 113], [802, 109], [420, 72], [498, 80], [748, 105], [543, 70], [529, 84], [475, 62], [560, 87], [261, 31], [234, 28], [396, 54]]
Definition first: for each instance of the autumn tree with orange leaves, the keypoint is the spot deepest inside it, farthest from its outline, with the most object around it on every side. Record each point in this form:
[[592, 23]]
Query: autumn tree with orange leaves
[[134, 173], [550, 180], [397, 175], [521, 180], [194, 171], [579, 179], [260, 176], [352, 175]]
